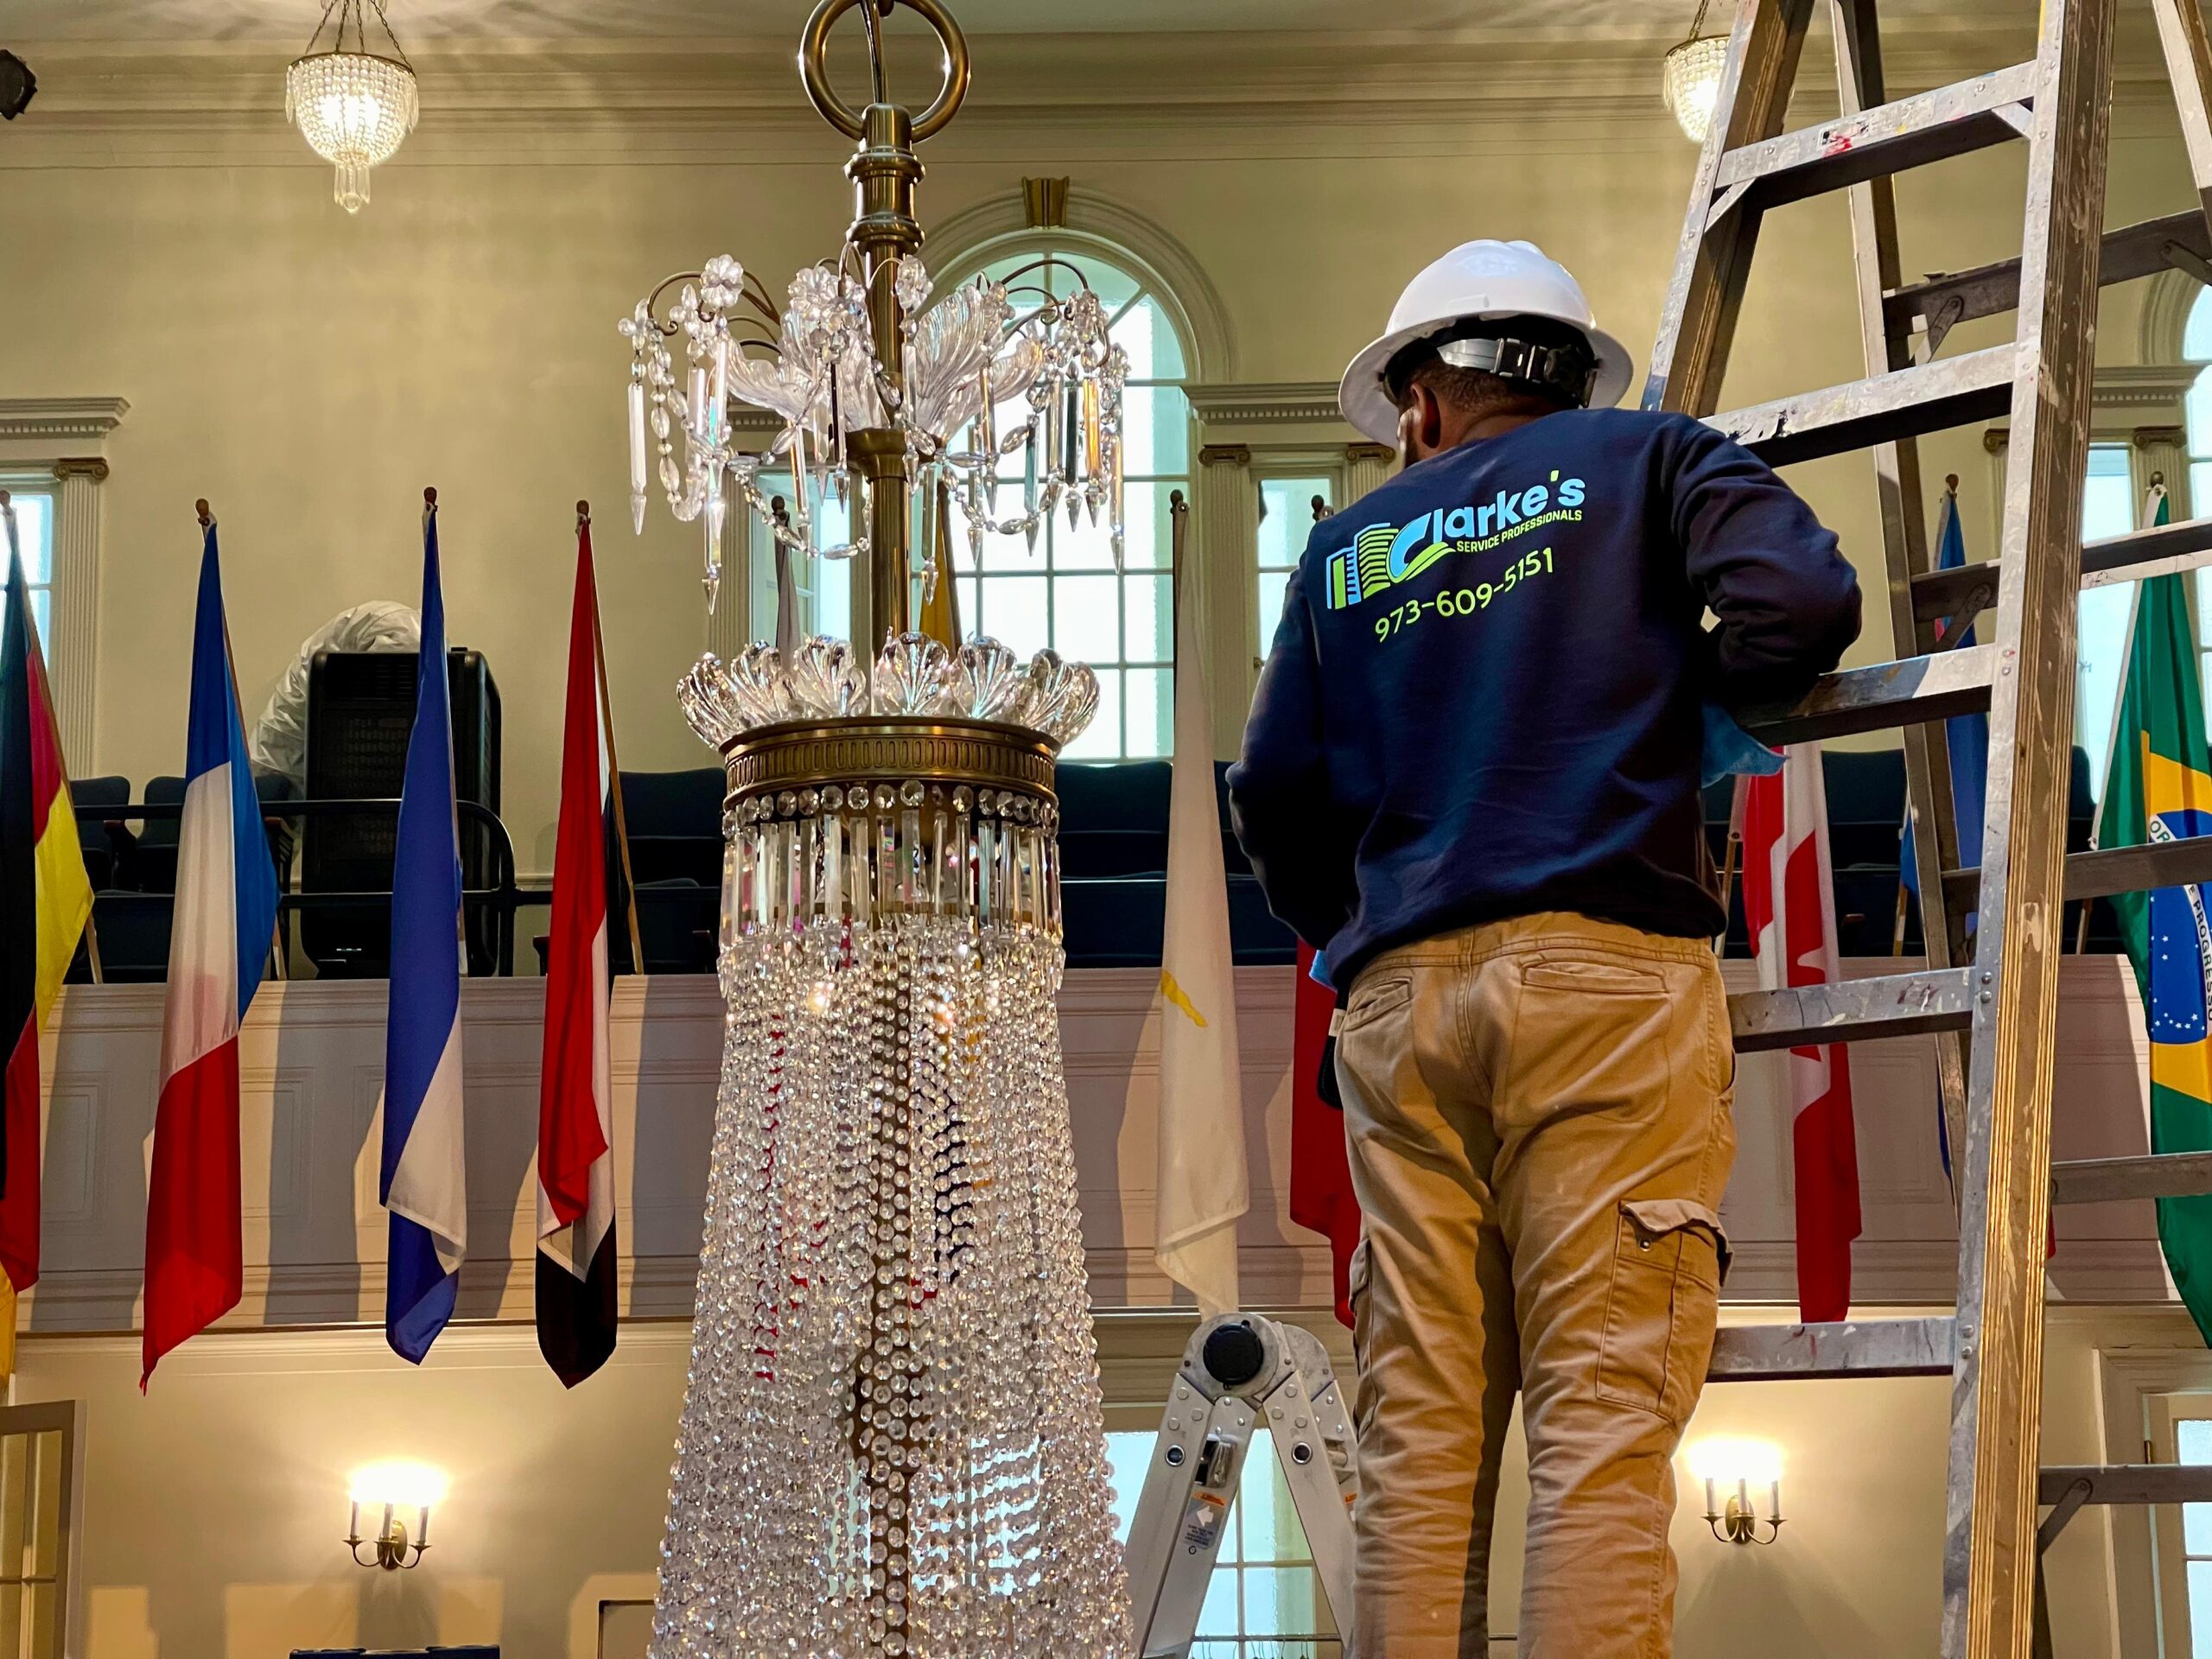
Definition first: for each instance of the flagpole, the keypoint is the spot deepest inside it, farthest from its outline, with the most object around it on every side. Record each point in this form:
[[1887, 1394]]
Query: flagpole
[[613, 767]]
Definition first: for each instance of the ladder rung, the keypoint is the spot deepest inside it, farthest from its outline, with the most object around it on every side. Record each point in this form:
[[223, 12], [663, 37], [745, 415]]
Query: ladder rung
[[2107, 1180], [2160, 551], [1767, 1353], [2141, 250], [2185, 863], [1904, 693], [2128, 1483], [1913, 131], [1855, 1011], [1903, 403]]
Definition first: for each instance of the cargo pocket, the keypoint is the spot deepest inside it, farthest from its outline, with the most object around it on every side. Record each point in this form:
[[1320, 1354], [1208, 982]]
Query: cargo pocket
[[1669, 1257], [1373, 998]]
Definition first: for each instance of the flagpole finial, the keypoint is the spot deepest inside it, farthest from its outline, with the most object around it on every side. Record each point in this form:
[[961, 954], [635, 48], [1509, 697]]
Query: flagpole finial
[[2157, 480], [1175, 502], [429, 498], [1951, 482], [584, 514], [199, 510]]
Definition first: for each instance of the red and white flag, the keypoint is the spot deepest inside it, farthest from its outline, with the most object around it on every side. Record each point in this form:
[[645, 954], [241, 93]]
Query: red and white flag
[[576, 1313], [1789, 906]]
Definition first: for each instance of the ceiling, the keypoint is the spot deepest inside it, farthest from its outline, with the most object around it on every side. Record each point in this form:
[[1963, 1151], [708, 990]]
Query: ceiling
[[289, 21]]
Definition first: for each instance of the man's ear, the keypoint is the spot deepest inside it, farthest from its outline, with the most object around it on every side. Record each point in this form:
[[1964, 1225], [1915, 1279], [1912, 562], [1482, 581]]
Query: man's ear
[[1420, 426]]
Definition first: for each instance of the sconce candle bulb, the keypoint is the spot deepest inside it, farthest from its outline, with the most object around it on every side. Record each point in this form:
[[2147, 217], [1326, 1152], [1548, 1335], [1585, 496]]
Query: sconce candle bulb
[[1725, 1460], [398, 1487]]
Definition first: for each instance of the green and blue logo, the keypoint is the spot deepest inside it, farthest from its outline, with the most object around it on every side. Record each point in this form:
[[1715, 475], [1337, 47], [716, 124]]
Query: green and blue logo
[[1385, 554]]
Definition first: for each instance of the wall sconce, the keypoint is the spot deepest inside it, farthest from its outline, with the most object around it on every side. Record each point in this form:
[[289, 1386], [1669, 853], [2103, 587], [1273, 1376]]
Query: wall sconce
[[394, 1493], [1725, 1463]]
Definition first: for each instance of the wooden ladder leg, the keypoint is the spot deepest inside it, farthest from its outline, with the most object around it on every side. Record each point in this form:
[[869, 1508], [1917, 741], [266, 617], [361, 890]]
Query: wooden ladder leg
[[1904, 542], [1698, 322], [2189, 66], [2005, 1183]]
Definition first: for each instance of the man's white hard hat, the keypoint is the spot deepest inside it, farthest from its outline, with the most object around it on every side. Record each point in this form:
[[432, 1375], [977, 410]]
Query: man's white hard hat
[[1477, 280]]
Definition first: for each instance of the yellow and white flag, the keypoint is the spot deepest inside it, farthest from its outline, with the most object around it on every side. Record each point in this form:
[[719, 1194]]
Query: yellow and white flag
[[1201, 1184]]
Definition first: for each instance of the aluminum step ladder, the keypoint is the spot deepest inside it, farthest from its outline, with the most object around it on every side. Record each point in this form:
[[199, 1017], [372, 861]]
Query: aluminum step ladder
[[1991, 1000]]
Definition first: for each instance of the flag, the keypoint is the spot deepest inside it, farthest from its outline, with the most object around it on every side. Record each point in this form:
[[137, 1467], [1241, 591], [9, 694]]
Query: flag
[[423, 1181], [1320, 1177], [1965, 736], [45, 900], [1202, 1184], [576, 1159], [2159, 788], [1790, 907], [224, 918]]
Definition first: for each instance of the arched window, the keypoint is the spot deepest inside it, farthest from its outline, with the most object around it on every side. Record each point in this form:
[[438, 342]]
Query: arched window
[[2196, 347], [1065, 593]]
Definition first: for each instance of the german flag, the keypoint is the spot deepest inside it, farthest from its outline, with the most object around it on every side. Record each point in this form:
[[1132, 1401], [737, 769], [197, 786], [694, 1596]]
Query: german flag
[[45, 900]]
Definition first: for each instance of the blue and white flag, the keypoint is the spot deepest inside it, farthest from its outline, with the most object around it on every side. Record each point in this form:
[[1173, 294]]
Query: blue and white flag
[[424, 1184]]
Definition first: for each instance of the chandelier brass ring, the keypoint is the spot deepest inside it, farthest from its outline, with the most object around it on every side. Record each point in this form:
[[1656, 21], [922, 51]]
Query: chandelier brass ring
[[813, 43]]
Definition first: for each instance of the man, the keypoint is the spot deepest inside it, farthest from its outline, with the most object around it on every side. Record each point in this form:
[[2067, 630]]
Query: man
[[1472, 778]]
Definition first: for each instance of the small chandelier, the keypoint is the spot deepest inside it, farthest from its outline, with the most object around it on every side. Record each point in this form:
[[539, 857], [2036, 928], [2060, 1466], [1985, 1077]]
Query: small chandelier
[[352, 106], [1689, 78]]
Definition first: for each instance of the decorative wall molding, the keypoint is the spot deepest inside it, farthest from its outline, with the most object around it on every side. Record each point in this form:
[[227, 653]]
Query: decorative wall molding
[[57, 418], [1285, 403]]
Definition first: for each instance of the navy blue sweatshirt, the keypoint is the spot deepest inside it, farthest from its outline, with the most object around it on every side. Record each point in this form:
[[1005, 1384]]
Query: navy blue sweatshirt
[[1484, 696]]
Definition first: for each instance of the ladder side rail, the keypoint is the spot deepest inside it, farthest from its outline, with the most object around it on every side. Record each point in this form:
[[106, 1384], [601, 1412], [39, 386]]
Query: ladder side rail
[[1164, 1497], [1904, 541], [1322, 1510], [1697, 321], [1195, 1529], [1990, 1523], [2188, 68]]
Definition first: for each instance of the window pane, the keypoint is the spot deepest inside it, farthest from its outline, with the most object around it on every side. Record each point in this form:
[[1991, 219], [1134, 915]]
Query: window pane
[[1287, 518], [2197, 411], [1088, 546], [2196, 333], [34, 531], [1013, 611], [1145, 636], [1144, 332], [2108, 508], [42, 620], [1272, 584], [1151, 713], [1146, 543], [1219, 1617], [1086, 619], [1128, 1456], [1103, 742], [1157, 422], [1114, 287], [1011, 552], [2199, 1610]]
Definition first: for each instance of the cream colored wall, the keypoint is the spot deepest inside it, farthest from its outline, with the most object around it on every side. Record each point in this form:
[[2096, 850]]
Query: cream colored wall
[[309, 371], [214, 1505]]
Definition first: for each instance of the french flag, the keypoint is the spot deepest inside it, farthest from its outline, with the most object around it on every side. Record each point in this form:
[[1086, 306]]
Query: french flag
[[576, 1286], [424, 1178], [225, 918]]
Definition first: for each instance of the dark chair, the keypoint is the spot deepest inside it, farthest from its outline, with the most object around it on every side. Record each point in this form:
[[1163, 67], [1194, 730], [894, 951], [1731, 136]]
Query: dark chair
[[1114, 868], [101, 839], [674, 820]]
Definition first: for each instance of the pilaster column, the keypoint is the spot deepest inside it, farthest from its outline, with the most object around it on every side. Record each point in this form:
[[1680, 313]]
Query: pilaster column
[[73, 650], [1220, 583], [2163, 449], [1367, 465]]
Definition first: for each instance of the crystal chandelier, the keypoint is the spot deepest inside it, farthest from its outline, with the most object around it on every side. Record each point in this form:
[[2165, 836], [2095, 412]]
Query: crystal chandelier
[[1689, 78], [352, 106], [892, 1439]]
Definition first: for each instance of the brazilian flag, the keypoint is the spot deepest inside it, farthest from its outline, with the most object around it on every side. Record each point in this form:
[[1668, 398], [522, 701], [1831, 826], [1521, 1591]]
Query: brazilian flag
[[2159, 788]]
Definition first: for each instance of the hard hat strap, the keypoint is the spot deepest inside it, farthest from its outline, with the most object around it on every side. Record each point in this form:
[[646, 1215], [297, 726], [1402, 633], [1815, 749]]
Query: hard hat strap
[[1564, 371]]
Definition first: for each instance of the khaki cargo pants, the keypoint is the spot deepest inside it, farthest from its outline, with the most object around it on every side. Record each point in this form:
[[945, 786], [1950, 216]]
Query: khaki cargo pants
[[1538, 1117]]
